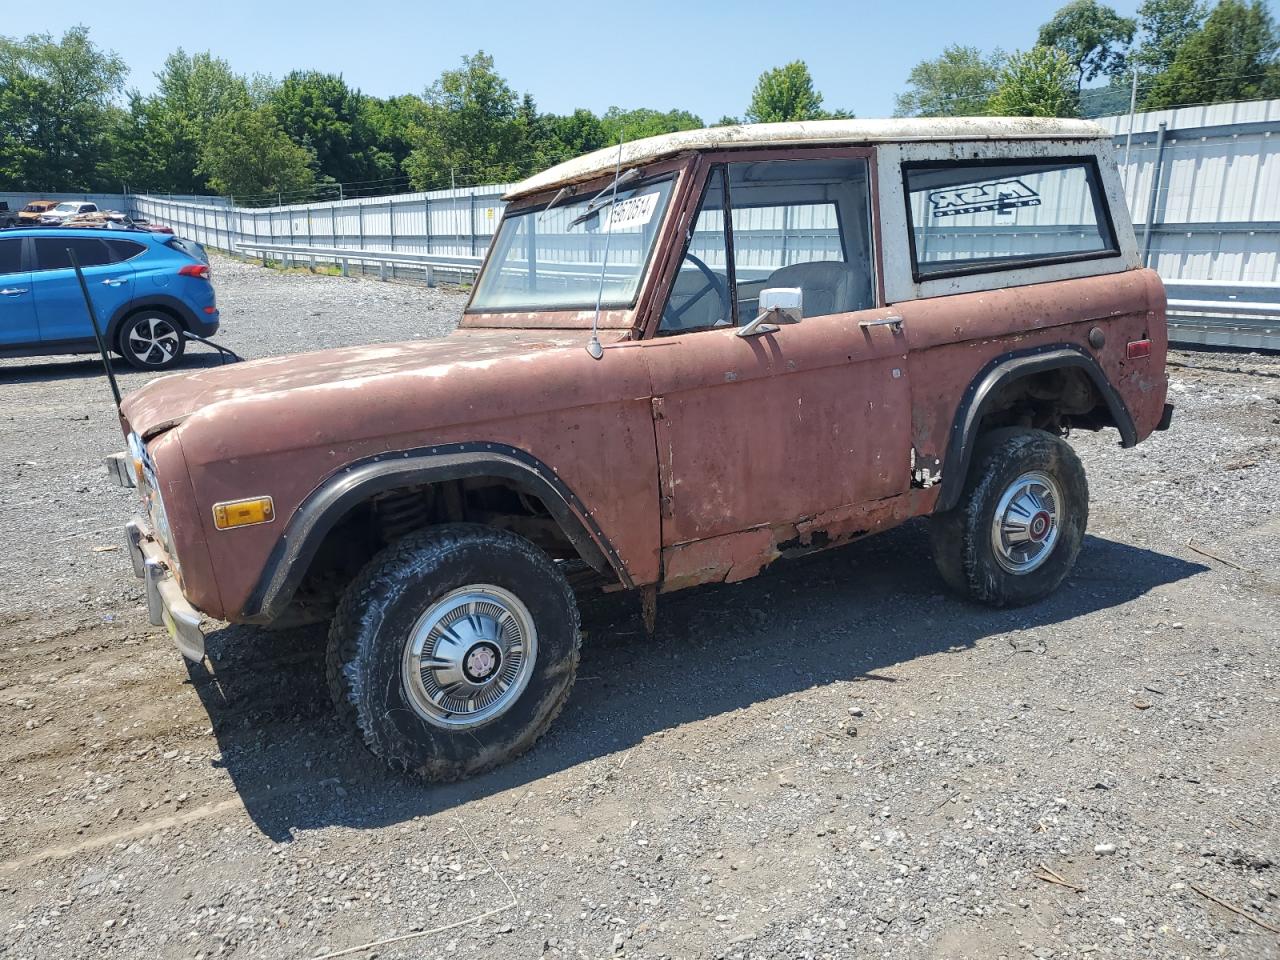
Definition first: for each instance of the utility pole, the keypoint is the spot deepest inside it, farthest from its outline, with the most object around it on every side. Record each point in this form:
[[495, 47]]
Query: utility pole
[[1128, 140]]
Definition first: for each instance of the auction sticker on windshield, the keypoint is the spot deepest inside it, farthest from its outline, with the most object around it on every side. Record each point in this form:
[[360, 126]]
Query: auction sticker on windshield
[[632, 212]]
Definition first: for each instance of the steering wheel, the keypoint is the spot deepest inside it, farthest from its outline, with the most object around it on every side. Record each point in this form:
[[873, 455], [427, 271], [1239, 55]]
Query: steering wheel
[[671, 315]]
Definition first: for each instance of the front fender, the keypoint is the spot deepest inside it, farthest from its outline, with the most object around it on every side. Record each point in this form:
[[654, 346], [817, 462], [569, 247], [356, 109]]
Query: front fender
[[359, 481]]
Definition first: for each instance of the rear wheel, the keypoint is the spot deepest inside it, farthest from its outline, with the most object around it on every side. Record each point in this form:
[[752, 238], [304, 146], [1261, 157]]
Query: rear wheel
[[152, 340], [1020, 522], [454, 650]]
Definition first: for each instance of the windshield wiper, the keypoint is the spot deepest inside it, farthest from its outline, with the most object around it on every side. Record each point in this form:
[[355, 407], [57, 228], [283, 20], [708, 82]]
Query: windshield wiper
[[599, 200], [554, 200]]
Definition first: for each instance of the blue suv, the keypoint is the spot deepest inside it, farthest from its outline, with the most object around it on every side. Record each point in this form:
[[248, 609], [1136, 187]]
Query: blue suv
[[149, 289]]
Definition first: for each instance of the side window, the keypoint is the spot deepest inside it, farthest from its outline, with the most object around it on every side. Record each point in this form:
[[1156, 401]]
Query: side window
[[122, 250], [51, 252], [806, 224], [974, 216], [10, 256], [701, 295], [792, 223]]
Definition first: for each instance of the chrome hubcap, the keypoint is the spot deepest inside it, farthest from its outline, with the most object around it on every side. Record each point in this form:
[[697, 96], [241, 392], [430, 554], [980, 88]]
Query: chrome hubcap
[[154, 340], [1024, 529], [469, 657]]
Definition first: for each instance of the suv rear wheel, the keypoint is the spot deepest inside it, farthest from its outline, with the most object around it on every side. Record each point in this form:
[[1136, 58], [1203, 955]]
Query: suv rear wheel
[[1020, 522], [454, 650], [152, 340]]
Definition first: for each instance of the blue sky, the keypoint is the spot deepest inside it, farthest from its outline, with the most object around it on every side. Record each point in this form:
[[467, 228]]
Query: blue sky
[[699, 56]]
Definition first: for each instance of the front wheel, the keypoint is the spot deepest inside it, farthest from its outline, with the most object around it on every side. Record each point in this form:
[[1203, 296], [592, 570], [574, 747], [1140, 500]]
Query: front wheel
[[151, 340], [1019, 525], [454, 650]]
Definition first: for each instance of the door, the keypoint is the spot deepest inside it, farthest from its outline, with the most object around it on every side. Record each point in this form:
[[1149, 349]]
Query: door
[[60, 309], [790, 427], [17, 300]]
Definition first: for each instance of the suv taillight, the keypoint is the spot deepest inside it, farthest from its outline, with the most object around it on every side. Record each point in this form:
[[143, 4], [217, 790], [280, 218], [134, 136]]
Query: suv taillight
[[200, 270]]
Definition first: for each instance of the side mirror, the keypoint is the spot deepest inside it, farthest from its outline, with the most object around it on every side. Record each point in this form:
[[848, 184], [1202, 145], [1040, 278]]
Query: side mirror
[[779, 305]]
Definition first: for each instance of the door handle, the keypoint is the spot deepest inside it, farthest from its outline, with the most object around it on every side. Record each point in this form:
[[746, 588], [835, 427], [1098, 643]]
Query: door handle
[[13, 291], [112, 282], [895, 322]]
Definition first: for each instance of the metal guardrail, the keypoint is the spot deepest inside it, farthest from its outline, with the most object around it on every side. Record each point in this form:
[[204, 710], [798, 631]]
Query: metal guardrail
[[1219, 313], [344, 256]]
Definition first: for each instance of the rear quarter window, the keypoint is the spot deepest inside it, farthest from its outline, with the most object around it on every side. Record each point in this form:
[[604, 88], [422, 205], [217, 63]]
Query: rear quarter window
[[122, 250], [977, 216]]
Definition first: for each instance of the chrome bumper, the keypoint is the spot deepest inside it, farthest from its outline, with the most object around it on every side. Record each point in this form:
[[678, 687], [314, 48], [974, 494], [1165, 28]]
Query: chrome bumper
[[166, 606]]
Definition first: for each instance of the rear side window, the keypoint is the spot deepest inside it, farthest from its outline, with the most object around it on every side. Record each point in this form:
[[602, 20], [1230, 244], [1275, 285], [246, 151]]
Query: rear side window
[[10, 256], [51, 252], [122, 250], [978, 216]]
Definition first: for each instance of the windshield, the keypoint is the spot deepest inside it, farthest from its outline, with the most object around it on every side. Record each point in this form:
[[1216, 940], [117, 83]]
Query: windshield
[[67, 208], [544, 260]]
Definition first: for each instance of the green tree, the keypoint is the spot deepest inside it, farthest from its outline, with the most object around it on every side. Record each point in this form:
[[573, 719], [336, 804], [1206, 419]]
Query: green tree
[[1163, 27], [391, 123], [787, 93], [1038, 83], [192, 92], [319, 110], [247, 153], [1231, 57], [470, 131], [643, 122], [56, 98], [957, 83], [577, 133], [1092, 36]]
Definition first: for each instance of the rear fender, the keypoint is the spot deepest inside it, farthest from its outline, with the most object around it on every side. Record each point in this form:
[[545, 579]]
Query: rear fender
[[1004, 369]]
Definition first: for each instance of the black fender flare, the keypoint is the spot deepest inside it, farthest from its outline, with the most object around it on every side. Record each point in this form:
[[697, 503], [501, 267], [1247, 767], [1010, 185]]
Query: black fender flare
[[1004, 369], [358, 481], [162, 300]]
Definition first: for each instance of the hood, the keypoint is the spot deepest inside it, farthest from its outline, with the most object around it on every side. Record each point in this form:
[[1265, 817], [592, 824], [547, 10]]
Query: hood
[[166, 402]]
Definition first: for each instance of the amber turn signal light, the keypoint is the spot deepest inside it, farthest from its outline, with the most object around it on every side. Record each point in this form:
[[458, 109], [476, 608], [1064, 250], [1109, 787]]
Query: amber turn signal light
[[243, 513]]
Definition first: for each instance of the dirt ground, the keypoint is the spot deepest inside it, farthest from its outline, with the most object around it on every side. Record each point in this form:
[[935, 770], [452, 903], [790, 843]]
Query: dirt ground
[[836, 759]]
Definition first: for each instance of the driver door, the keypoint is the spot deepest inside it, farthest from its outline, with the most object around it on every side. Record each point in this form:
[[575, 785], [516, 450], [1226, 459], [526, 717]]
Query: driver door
[[781, 438]]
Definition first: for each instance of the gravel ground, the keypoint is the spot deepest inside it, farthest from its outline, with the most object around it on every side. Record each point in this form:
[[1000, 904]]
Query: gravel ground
[[834, 759]]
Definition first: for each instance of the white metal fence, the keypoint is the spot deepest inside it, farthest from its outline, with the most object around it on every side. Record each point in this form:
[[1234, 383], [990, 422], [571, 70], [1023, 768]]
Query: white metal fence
[[444, 222]]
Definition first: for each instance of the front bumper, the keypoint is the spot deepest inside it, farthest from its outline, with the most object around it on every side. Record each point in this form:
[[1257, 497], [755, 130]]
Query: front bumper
[[166, 606]]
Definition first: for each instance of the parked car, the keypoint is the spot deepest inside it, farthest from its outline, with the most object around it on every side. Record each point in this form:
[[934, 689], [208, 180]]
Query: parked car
[[29, 216], [65, 210], [149, 292], [8, 218], [756, 342], [143, 224]]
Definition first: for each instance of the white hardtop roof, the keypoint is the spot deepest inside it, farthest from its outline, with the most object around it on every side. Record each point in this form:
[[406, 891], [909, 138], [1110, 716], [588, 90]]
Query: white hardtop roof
[[807, 132]]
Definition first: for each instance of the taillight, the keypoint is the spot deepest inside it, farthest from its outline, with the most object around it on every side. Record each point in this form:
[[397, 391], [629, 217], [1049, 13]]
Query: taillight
[[1137, 349], [200, 270]]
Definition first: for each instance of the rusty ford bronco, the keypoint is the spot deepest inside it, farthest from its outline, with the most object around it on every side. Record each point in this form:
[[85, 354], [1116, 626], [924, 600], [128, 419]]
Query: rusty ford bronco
[[685, 357]]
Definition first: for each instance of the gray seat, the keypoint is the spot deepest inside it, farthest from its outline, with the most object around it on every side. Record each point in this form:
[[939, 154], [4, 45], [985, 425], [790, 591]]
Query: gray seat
[[829, 286]]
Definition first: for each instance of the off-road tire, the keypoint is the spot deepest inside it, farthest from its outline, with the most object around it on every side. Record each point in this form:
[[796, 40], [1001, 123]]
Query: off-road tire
[[961, 537], [173, 334], [375, 618]]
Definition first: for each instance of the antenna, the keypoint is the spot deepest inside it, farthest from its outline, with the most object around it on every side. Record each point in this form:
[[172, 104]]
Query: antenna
[[593, 345]]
